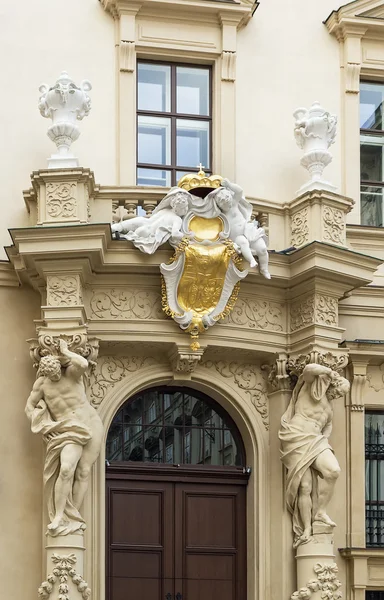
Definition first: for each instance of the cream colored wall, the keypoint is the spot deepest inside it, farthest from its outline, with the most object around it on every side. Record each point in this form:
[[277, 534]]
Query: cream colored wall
[[20, 451], [286, 59], [38, 41]]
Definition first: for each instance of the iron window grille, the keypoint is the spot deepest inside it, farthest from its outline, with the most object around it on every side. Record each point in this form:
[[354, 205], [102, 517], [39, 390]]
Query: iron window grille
[[374, 478]]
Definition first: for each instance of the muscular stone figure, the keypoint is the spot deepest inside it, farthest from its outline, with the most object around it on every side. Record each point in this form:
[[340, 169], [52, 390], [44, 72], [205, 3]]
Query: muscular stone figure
[[305, 451], [58, 409]]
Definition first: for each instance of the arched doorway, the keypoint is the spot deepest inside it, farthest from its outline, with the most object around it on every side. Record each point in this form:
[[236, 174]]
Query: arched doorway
[[175, 498]]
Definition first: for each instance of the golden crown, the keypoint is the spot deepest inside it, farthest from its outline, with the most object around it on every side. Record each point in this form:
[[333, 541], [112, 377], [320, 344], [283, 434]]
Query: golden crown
[[191, 181]]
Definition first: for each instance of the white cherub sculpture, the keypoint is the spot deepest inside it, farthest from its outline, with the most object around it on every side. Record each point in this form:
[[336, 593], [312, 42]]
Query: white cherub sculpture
[[246, 234], [165, 223]]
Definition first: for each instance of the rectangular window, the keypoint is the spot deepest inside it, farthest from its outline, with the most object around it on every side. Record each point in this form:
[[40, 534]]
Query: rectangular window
[[374, 595], [174, 121], [371, 153], [374, 478]]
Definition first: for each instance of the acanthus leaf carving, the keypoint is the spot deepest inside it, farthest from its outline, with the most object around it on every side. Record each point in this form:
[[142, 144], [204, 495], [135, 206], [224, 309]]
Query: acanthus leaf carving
[[126, 304], [61, 199], [249, 378], [256, 314]]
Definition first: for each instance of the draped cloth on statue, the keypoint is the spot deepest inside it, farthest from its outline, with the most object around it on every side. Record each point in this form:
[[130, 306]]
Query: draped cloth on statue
[[301, 443], [57, 435]]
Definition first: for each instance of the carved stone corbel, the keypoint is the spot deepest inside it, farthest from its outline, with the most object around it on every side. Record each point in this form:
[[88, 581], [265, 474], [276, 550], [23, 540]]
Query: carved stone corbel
[[359, 370], [127, 56], [183, 360]]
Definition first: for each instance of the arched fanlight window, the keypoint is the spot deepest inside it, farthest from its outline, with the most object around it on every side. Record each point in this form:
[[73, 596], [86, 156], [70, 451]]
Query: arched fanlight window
[[175, 426]]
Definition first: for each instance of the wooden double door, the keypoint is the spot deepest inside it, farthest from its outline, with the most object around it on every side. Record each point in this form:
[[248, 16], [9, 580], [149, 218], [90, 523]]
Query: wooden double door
[[176, 537]]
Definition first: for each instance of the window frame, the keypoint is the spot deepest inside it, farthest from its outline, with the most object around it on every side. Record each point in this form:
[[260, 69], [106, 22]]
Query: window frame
[[173, 115], [368, 501]]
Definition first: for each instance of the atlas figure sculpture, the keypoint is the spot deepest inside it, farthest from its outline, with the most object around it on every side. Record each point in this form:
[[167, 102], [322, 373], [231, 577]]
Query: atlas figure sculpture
[[72, 430]]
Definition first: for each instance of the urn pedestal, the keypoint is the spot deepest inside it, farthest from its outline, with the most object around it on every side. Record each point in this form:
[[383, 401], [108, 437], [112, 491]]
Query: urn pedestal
[[65, 569]]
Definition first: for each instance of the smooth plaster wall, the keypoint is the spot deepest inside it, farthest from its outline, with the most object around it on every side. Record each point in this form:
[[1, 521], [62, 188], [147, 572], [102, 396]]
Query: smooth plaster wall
[[38, 41], [21, 452], [286, 59]]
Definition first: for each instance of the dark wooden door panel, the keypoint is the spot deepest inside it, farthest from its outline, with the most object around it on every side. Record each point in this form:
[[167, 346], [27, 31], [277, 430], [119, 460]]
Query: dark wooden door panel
[[170, 537], [210, 551], [140, 562]]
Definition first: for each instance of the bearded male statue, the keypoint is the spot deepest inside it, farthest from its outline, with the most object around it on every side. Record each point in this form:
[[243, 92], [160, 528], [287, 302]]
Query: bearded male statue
[[72, 430], [305, 450]]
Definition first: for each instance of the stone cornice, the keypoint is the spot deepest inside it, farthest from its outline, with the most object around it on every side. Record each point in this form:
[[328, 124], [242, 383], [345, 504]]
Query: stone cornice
[[8, 275], [238, 11], [356, 19]]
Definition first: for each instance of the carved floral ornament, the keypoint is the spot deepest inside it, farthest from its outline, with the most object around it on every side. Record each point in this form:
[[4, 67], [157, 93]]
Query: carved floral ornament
[[64, 569], [64, 290], [326, 582], [317, 308]]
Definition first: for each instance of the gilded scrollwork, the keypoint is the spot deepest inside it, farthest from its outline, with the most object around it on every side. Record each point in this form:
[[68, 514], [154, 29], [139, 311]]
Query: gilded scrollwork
[[299, 227], [334, 225], [256, 314], [61, 199], [249, 378], [63, 290], [126, 304], [110, 370]]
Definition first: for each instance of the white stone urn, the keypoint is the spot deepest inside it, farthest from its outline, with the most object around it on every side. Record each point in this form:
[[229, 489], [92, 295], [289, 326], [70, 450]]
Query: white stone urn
[[315, 131], [65, 103]]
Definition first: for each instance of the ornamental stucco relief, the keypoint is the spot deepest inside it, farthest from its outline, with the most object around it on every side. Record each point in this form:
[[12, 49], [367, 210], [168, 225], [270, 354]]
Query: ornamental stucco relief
[[63, 290], [249, 378], [334, 225], [299, 227], [256, 314], [319, 309], [110, 370], [61, 199], [126, 304]]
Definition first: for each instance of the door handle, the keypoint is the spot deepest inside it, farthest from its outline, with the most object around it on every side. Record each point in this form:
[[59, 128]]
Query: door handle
[[168, 596], [179, 596]]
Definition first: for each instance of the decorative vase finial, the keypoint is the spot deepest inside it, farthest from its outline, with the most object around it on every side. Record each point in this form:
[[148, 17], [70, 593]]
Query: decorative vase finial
[[315, 131], [65, 103]]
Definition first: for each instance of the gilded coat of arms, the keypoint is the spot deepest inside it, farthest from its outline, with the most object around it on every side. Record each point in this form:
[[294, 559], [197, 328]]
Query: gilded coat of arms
[[208, 222]]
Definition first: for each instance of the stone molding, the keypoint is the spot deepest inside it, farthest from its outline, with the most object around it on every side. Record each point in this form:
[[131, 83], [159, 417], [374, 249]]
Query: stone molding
[[183, 360], [8, 275], [249, 378]]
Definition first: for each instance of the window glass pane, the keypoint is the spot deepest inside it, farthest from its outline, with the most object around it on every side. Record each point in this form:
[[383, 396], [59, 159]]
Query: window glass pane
[[192, 91], [154, 140], [192, 145], [371, 105], [133, 443], [174, 427], [153, 177], [153, 444], [371, 162], [154, 87], [371, 203]]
